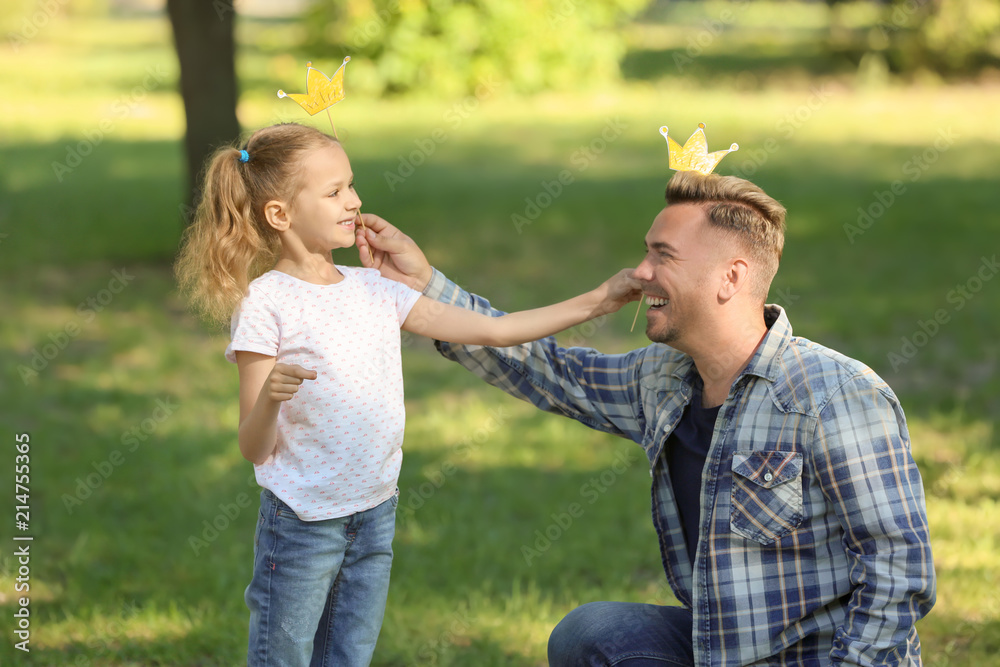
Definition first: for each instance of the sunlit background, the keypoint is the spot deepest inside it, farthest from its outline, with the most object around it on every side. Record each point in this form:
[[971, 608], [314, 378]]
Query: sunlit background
[[518, 142]]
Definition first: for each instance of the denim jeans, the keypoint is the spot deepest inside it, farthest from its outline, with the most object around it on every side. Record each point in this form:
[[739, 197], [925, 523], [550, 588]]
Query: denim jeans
[[319, 587], [625, 634]]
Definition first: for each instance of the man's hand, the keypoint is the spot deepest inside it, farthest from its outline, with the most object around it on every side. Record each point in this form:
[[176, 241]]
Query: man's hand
[[395, 254]]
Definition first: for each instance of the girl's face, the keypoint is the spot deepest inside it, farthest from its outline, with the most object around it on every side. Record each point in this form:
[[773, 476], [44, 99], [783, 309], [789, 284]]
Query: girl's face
[[324, 211]]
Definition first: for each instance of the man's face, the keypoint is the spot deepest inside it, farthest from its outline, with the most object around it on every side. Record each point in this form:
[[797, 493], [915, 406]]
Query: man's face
[[679, 274]]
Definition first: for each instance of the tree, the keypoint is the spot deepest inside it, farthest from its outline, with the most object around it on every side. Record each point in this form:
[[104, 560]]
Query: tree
[[203, 37], [472, 47]]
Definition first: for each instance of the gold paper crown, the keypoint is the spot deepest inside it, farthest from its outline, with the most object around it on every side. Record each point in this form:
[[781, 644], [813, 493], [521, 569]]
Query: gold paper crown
[[694, 155], [321, 91]]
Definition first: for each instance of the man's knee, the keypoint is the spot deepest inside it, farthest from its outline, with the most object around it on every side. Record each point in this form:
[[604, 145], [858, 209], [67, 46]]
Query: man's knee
[[582, 636]]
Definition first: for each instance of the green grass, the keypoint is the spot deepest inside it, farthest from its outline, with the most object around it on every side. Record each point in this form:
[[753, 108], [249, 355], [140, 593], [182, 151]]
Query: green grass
[[115, 580]]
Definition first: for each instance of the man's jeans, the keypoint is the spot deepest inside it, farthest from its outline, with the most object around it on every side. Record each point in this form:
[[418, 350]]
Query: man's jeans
[[626, 634], [319, 587]]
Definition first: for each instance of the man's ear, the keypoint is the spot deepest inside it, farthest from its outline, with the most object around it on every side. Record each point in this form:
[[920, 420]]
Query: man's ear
[[276, 214], [735, 279]]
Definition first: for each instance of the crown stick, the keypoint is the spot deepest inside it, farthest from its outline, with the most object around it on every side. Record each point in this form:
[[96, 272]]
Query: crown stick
[[334, 127], [636, 315], [322, 92], [370, 256]]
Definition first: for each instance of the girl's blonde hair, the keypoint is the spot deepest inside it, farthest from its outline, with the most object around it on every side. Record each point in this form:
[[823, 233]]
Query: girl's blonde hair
[[230, 243]]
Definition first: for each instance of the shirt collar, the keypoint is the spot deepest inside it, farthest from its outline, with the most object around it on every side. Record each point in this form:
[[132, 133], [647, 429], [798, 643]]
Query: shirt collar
[[764, 361]]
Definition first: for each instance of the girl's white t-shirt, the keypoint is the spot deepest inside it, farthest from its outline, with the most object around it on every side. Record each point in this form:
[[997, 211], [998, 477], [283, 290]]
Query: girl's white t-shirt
[[339, 438]]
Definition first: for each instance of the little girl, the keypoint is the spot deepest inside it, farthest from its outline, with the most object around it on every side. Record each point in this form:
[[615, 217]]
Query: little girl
[[321, 390]]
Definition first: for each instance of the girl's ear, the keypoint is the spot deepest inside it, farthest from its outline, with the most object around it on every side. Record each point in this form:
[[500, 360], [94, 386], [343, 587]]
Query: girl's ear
[[276, 214]]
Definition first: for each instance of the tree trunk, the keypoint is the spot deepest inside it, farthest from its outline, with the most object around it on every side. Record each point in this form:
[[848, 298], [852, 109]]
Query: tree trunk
[[203, 36]]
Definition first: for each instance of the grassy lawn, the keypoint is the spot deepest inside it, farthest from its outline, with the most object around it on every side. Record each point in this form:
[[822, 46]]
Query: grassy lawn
[[143, 509]]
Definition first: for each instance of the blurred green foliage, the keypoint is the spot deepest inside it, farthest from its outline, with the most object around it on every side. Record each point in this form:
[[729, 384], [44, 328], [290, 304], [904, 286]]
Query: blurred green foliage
[[473, 46], [960, 34], [951, 37]]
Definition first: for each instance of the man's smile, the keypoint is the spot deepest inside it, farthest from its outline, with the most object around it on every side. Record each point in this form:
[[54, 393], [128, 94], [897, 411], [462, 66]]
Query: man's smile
[[656, 301]]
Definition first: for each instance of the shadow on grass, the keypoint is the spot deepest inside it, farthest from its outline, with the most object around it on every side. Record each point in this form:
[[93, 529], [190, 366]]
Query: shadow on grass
[[142, 501], [969, 641], [170, 531], [167, 526], [858, 276], [758, 60]]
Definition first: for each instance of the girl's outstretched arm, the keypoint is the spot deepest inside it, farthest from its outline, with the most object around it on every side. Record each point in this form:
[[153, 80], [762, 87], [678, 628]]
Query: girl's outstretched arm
[[264, 384], [457, 325]]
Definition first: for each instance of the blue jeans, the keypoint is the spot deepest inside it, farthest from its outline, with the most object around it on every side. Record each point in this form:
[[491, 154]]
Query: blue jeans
[[319, 587], [625, 634]]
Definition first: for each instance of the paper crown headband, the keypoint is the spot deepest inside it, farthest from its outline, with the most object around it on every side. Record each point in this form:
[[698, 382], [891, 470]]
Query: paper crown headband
[[322, 92], [694, 155]]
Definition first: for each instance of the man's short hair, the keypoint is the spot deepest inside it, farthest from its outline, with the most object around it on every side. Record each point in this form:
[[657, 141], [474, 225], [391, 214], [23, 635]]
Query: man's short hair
[[741, 209]]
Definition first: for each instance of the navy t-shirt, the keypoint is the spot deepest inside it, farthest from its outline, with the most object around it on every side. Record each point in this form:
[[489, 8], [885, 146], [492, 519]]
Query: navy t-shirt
[[686, 451]]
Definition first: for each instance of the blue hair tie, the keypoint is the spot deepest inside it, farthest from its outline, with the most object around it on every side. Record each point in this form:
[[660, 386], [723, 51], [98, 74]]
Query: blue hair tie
[[244, 156]]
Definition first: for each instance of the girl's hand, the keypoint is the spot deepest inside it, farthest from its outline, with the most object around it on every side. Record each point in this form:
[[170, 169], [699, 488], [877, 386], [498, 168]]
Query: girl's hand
[[284, 380], [444, 321], [618, 290]]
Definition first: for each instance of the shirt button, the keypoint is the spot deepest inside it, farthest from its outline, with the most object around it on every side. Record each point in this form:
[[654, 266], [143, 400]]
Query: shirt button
[[768, 477]]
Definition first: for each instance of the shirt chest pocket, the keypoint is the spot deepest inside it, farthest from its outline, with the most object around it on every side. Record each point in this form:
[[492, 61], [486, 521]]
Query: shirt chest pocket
[[766, 495]]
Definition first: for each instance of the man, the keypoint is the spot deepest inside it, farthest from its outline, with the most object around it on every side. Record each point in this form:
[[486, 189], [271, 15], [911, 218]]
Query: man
[[789, 510]]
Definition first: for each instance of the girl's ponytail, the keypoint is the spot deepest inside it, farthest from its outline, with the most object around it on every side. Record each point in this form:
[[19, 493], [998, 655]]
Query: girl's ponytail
[[223, 247], [229, 243]]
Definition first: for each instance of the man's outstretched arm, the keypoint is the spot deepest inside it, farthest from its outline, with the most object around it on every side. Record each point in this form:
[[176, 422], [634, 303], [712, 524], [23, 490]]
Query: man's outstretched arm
[[601, 391]]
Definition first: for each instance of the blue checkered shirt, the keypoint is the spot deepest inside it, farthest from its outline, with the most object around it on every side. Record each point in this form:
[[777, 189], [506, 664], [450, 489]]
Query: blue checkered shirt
[[814, 547]]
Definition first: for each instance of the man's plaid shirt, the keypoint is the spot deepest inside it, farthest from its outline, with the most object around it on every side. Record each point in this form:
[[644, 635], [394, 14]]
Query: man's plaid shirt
[[814, 547]]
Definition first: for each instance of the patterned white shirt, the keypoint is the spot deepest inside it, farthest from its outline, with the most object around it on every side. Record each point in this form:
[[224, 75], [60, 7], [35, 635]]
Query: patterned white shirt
[[339, 439]]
